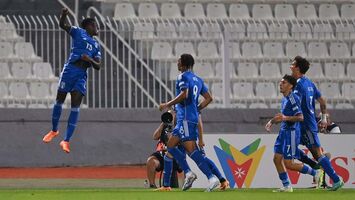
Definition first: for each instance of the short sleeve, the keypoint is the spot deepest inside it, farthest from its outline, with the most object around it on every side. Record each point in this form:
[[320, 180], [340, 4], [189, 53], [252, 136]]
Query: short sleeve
[[74, 31], [295, 104], [317, 93], [204, 88], [183, 82]]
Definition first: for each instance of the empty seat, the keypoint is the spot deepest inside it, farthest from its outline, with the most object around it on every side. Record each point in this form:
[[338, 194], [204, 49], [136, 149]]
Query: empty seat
[[262, 11], [42, 70], [217, 91], [170, 10], [265, 90], [295, 49], [39, 90], [188, 31], [344, 31], [143, 31], [239, 105], [317, 50], [350, 70], [6, 50], [184, 47], [53, 89], [237, 30], [275, 105], [247, 70], [257, 31], [166, 30], [3, 90], [194, 10], [242, 90], [239, 11], [328, 11], [18, 90], [273, 50], [203, 70], [278, 30], [330, 90], [8, 32], [251, 50], [258, 106], [301, 31], [285, 68], [323, 31], [234, 50], [25, 50], [211, 30], [148, 10], [270, 70], [339, 50], [348, 11], [344, 106], [161, 51], [174, 72], [21, 70], [16, 105], [38, 105], [306, 11], [124, 10], [284, 11], [334, 70], [219, 70], [315, 70], [348, 90], [4, 71], [216, 10], [207, 50]]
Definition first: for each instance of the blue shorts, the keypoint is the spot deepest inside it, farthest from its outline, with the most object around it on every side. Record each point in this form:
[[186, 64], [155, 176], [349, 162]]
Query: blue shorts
[[309, 138], [186, 131], [287, 144], [72, 79]]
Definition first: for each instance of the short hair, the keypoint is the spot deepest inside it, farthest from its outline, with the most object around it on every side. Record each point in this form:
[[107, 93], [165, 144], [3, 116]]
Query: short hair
[[302, 64], [290, 79], [187, 60], [86, 22]]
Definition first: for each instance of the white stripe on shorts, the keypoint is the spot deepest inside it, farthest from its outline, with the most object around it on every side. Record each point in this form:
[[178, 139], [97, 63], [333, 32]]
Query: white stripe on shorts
[[310, 137], [293, 143], [186, 128]]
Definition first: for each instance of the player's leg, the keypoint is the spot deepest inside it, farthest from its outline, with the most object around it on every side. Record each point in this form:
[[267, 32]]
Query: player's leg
[[307, 160], [279, 164], [154, 164], [167, 170]]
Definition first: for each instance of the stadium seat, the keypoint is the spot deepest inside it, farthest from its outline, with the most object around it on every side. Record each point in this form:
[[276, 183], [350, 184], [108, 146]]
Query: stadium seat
[[194, 10], [295, 49], [278, 30], [317, 50], [234, 50], [265, 90], [16, 105], [53, 89], [174, 72], [184, 47], [347, 11], [3, 90], [251, 50], [334, 70], [328, 11], [262, 11], [330, 90], [148, 10], [348, 90], [242, 90], [166, 31], [344, 31], [275, 105], [237, 30], [8, 32], [219, 70], [4, 71], [258, 106], [18, 90], [38, 105], [21, 70], [6, 50], [239, 105], [285, 68], [42, 70], [211, 31], [306, 11], [344, 106], [203, 70], [239, 11], [39, 90], [161, 51], [247, 70], [269, 70], [170, 10], [124, 10], [353, 50], [216, 10], [207, 50], [217, 91], [350, 70], [188, 31], [25, 50], [301, 31], [315, 70], [339, 50], [143, 31], [323, 32], [273, 50], [284, 11], [257, 30]]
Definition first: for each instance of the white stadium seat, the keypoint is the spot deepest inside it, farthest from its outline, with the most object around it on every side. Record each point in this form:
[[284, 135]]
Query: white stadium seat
[[306, 11], [143, 31], [3, 90], [21, 70], [344, 106], [170, 10], [330, 90], [275, 105], [216, 10], [39, 90], [323, 31], [184, 47], [350, 70], [234, 50], [237, 30], [269, 70], [317, 50], [219, 70], [265, 90], [278, 30], [334, 70], [339, 50], [239, 11], [347, 11], [16, 105], [166, 30], [239, 105], [251, 50], [285, 68], [203, 70], [258, 106], [348, 90], [8, 32], [301, 31], [273, 50], [25, 50], [247, 70], [328, 11], [38, 105], [207, 50], [4, 71], [161, 51], [43, 70], [194, 10], [344, 31], [217, 91], [295, 49], [53, 89], [18, 90], [124, 10], [148, 10], [211, 30], [257, 31], [262, 11], [188, 31], [284, 11], [6, 50], [315, 70], [242, 90]]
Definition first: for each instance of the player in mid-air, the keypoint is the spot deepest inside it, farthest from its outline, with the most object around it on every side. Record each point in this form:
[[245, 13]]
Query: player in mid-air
[[188, 89], [85, 53], [308, 94], [286, 145]]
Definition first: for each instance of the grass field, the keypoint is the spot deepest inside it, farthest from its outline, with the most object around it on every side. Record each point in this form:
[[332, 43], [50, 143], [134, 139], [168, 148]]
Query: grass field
[[195, 194]]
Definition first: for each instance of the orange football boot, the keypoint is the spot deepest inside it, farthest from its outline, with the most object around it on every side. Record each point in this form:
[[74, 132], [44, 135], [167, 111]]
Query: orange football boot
[[50, 135], [65, 146]]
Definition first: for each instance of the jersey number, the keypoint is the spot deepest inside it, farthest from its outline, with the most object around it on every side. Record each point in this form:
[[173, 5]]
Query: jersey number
[[195, 90], [88, 46]]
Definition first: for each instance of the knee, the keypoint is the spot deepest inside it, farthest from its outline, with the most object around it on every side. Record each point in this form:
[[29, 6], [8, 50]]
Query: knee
[[288, 164]]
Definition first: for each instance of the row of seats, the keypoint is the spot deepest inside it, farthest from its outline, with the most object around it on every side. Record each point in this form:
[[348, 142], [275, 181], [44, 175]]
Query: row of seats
[[21, 50], [21, 70], [22, 90], [209, 50], [240, 11]]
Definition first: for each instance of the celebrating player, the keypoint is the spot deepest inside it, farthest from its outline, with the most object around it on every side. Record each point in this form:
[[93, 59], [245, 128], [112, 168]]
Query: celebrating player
[[85, 52]]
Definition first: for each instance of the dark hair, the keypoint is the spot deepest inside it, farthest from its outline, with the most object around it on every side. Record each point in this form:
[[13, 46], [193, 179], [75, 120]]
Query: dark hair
[[290, 79], [187, 60], [86, 22], [302, 64]]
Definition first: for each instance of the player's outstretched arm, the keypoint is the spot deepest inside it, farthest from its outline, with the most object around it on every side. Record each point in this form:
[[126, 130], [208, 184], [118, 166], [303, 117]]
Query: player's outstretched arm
[[207, 100], [63, 20]]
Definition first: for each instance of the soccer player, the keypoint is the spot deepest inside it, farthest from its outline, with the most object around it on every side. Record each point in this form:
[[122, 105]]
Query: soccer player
[[188, 89], [308, 93], [85, 53], [285, 148]]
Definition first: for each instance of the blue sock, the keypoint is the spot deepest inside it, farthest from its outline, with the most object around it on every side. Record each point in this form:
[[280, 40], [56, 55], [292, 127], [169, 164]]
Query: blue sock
[[213, 168], [73, 119], [168, 168], [57, 111], [328, 169], [307, 170], [284, 178], [180, 158], [305, 159], [200, 161]]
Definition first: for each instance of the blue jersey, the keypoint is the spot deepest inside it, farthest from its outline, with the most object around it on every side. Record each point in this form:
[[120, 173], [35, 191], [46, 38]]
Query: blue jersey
[[188, 109], [308, 93], [83, 43], [290, 106]]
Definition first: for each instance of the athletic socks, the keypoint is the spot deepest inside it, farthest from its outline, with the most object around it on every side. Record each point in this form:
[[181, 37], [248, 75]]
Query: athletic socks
[[214, 168], [328, 169], [168, 168], [180, 158], [73, 119], [199, 159], [305, 159], [308, 170], [57, 111], [284, 179]]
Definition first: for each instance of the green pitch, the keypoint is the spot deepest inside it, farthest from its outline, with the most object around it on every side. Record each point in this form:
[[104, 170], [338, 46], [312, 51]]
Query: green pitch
[[195, 194]]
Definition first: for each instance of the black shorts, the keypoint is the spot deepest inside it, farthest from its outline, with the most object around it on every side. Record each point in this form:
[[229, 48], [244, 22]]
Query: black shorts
[[160, 157]]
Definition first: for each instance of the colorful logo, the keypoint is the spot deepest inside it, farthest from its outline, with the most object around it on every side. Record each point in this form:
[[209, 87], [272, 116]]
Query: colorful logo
[[239, 166]]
